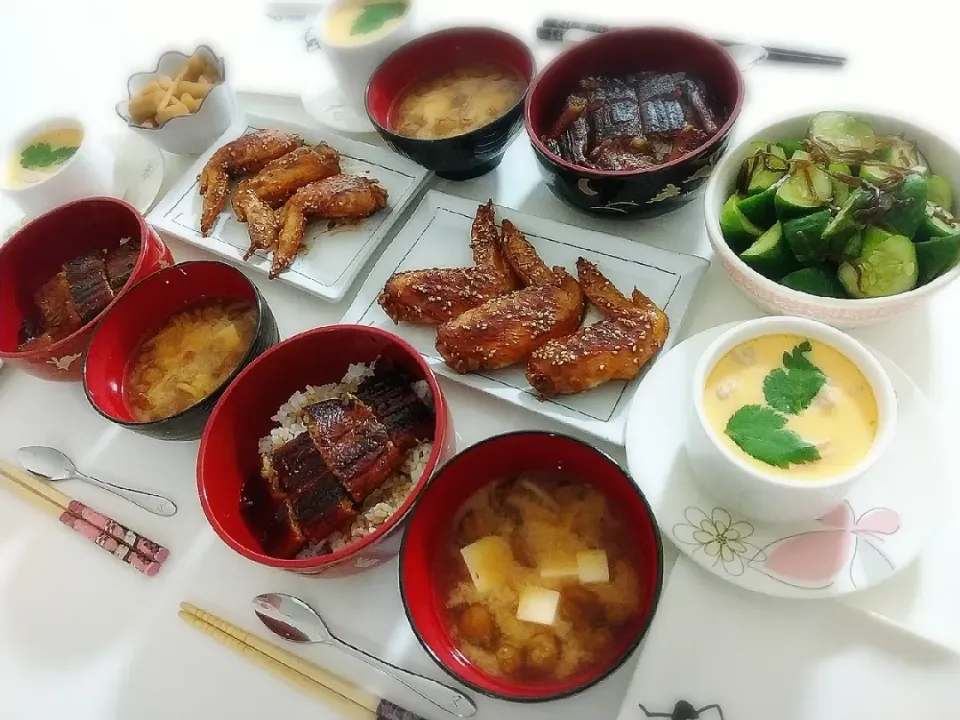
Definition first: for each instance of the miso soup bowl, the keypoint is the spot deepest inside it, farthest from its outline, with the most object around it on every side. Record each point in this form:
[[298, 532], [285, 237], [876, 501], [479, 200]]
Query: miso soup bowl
[[460, 157], [498, 458], [146, 307], [747, 490]]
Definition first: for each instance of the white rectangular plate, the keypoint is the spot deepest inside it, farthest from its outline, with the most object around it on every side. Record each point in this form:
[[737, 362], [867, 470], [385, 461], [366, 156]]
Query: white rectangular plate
[[331, 259], [438, 235]]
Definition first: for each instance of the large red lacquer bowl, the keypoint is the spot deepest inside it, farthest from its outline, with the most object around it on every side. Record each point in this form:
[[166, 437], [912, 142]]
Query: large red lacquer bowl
[[497, 458], [36, 252], [228, 448]]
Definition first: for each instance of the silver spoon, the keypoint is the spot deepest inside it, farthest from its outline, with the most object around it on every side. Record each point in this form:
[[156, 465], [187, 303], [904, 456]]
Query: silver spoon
[[51, 464], [292, 619]]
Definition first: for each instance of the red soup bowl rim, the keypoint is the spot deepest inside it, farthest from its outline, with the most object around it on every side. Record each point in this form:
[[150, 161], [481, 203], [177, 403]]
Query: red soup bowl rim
[[608, 669], [145, 233], [322, 561], [599, 40], [259, 304], [530, 81]]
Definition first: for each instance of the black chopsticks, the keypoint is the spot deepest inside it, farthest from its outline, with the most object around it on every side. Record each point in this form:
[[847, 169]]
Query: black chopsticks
[[554, 29]]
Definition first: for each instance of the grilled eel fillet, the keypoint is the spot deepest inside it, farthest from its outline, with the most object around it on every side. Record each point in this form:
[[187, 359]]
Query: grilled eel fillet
[[617, 347], [435, 295], [247, 154], [506, 330]]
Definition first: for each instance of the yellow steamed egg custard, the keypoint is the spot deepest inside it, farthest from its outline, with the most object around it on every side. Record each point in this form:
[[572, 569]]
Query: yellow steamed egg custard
[[43, 156], [792, 407], [357, 22]]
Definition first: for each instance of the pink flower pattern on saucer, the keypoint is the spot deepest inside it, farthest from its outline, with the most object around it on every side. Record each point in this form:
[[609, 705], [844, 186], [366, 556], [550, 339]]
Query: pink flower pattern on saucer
[[840, 542]]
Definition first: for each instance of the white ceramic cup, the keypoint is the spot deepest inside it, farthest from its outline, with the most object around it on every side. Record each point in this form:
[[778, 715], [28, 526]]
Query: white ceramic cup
[[744, 489], [88, 173], [352, 65]]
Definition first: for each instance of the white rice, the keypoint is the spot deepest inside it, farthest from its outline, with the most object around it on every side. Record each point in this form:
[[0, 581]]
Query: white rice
[[288, 416], [385, 500]]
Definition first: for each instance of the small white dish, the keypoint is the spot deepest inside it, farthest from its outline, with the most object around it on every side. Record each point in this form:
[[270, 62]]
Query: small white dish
[[329, 107], [438, 235], [137, 175], [882, 525], [749, 491], [332, 259], [187, 134], [88, 173], [775, 298]]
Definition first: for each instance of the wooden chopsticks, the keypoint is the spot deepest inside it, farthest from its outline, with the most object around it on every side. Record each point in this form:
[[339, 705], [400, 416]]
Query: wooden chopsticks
[[342, 695], [130, 547]]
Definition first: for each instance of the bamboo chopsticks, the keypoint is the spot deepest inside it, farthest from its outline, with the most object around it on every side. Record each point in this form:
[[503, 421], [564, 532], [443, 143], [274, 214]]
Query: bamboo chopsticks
[[342, 695], [130, 547]]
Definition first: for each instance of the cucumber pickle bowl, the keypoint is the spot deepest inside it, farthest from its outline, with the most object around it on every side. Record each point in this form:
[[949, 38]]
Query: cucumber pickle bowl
[[841, 216]]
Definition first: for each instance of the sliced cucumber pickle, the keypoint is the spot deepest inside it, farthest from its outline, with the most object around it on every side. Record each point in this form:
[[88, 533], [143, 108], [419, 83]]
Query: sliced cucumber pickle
[[760, 209], [737, 230], [845, 223], [841, 191], [939, 192], [789, 147], [817, 280], [842, 131], [910, 203], [904, 154], [770, 255], [806, 189], [763, 167], [936, 256], [887, 265], [804, 235], [873, 172], [937, 222]]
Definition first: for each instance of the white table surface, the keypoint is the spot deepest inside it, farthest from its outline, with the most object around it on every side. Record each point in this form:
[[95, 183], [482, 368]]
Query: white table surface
[[83, 637]]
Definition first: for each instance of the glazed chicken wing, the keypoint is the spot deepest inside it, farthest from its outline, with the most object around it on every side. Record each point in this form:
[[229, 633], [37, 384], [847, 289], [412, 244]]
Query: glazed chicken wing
[[435, 295], [506, 330], [341, 197], [258, 196], [615, 348], [247, 154]]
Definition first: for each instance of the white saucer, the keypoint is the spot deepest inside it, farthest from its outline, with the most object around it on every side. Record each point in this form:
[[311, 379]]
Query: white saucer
[[881, 527], [328, 106], [137, 174]]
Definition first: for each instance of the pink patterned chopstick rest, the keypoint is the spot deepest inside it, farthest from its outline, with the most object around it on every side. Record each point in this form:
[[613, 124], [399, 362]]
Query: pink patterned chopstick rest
[[128, 537], [109, 543]]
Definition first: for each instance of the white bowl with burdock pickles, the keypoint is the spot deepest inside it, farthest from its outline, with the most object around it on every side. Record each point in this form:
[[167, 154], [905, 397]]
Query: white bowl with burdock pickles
[[787, 414], [843, 217]]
